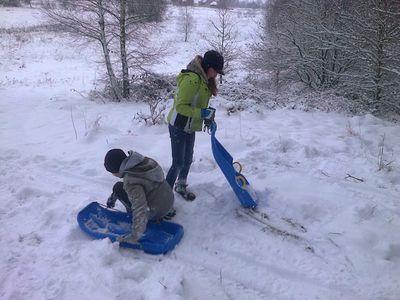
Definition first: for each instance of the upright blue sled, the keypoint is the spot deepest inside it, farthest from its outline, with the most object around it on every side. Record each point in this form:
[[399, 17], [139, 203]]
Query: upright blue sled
[[238, 182], [100, 222]]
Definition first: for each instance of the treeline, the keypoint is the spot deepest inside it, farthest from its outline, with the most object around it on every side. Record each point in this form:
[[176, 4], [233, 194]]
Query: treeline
[[220, 3], [15, 3], [350, 46], [231, 3]]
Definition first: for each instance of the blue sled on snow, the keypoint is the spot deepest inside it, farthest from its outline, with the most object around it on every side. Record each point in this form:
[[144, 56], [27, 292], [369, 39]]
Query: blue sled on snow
[[100, 222], [238, 182]]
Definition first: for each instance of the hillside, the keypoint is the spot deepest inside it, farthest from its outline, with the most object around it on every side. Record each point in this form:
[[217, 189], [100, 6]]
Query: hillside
[[316, 169]]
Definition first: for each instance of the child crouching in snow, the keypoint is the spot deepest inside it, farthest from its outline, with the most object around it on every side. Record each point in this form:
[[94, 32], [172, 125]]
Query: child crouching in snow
[[144, 191]]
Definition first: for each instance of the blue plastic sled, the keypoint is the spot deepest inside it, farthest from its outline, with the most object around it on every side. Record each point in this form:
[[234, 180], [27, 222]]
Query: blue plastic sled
[[100, 222], [238, 182]]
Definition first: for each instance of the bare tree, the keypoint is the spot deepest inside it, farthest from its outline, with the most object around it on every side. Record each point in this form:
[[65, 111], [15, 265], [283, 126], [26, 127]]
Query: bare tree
[[29, 2], [187, 21], [223, 36], [134, 19], [306, 34], [153, 10], [10, 2], [268, 52], [334, 43], [87, 19], [122, 40], [373, 34], [112, 25]]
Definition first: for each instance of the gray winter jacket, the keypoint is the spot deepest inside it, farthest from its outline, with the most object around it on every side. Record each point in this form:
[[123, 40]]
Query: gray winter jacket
[[150, 195]]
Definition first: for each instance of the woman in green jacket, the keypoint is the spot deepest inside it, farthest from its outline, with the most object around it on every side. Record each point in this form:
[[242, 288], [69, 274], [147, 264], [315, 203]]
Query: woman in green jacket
[[195, 86]]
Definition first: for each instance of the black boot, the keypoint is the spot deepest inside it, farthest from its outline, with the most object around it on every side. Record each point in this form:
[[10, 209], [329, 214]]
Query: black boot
[[171, 213], [181, 189]]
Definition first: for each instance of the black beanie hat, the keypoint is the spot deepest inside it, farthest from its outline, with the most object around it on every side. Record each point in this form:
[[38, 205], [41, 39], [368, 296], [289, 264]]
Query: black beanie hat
[[113, 160], [215, 60]]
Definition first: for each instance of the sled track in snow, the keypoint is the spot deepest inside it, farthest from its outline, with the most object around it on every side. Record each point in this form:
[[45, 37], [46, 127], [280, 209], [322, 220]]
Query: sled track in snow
[[276, 278]]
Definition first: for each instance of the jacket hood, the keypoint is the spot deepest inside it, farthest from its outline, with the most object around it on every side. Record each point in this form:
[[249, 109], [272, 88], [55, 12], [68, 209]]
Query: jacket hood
[[195, 66], [141, 167], [131, 161]]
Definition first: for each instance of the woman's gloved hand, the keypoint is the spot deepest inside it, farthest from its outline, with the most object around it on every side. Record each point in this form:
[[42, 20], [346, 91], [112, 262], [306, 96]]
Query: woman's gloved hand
[[208, 114]]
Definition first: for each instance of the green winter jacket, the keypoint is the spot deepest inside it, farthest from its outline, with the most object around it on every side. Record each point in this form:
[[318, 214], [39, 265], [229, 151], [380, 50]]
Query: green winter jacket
[[192, 94]]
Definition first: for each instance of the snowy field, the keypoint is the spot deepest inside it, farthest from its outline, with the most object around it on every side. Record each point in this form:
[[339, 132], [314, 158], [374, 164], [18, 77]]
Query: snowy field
[[316, 169]]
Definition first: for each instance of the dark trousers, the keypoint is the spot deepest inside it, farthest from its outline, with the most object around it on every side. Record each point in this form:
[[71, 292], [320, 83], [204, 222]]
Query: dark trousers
[[121, 195], [182, 144]]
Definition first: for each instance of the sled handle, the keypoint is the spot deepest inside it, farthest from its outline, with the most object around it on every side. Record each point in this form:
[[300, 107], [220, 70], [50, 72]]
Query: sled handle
[[241, 181], [240, 166]]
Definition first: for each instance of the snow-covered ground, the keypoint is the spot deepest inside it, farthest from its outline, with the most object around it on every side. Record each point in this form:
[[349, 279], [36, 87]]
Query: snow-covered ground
[[317, 169]]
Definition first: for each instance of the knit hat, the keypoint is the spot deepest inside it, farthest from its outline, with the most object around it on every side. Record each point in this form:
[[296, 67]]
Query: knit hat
[[113, 160], [215, 60]]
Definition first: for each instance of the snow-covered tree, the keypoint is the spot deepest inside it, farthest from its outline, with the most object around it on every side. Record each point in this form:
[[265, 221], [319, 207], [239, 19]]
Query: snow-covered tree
[[302, 38], [372, 37], [334, 43]]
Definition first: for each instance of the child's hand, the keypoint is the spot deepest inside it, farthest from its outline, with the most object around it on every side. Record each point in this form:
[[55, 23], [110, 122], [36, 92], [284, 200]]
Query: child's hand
[[111, 201], [128, 238]]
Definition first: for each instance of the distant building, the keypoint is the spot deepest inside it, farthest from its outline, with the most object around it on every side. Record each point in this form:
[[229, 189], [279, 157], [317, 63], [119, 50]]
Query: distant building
[[211, 3]]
